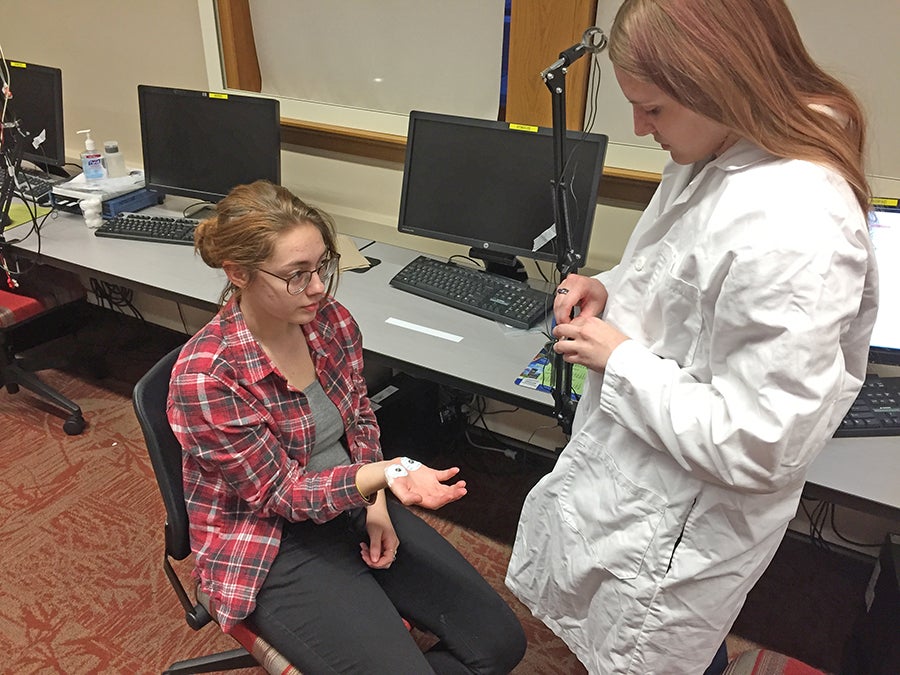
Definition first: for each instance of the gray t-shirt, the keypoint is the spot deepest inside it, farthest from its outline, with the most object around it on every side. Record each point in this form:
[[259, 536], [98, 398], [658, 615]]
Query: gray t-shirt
[[328, 451]]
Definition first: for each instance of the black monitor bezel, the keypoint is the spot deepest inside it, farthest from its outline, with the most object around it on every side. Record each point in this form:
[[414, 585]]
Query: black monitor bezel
[[878, 355], [582, 226], [269, 107], [53, 151]]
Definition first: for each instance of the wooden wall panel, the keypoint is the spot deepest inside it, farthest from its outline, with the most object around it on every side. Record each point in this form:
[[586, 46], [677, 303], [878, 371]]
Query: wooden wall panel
[[539, 31], [238, 45]]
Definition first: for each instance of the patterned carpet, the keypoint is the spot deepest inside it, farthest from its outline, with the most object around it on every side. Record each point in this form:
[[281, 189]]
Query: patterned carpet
[[81, 525]]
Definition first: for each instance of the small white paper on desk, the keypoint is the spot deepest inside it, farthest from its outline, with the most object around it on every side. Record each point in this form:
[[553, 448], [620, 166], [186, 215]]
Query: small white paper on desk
[[351, 258], [423, 329]]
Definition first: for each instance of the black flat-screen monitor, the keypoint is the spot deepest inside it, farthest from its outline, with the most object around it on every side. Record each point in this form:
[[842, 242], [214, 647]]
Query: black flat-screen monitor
[[884, 229], [488, 185], [37, 104], [201, 144]]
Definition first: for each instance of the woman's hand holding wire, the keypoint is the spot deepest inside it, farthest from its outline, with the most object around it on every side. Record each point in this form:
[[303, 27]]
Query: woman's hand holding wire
[[588, 341], [586, 293]]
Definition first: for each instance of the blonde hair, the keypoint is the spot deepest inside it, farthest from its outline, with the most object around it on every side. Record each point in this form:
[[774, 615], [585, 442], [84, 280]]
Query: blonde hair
[[247, 223], [743, 64]]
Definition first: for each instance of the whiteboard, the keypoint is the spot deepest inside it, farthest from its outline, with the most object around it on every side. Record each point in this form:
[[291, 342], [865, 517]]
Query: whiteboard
[[391, 56]]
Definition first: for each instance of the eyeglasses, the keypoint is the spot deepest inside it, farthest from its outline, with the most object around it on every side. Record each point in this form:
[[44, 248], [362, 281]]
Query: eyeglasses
[[298, 281]]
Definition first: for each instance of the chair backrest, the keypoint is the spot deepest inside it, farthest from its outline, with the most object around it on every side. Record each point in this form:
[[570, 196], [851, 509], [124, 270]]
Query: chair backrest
[[149, 400]]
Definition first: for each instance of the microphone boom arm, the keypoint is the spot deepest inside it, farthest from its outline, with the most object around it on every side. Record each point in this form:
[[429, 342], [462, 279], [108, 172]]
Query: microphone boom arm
[[568, 260]]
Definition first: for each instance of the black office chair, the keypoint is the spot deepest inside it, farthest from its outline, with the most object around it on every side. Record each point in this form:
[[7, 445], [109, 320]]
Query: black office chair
[[149, 399], [48, 304]]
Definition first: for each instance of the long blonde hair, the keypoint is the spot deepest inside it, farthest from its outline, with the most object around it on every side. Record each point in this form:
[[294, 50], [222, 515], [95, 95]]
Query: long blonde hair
[[742, 63], [247, 223]]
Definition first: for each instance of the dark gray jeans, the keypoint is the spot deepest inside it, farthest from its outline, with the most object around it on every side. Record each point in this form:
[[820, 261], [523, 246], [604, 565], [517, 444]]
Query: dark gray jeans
[[326, 611]]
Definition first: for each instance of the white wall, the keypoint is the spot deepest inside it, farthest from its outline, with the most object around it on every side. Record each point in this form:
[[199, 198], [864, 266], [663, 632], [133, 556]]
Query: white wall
[[105, 49]]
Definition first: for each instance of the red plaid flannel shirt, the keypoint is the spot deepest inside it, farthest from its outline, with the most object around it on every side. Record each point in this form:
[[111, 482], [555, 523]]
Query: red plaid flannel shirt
[[247, 435]]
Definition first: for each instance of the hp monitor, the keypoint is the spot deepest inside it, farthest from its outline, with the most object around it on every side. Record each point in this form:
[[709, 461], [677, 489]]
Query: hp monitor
[[884, 229], [488, 185]]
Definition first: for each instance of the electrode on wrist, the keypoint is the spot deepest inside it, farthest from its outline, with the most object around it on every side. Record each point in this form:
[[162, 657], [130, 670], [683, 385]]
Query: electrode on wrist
[[394, 471]]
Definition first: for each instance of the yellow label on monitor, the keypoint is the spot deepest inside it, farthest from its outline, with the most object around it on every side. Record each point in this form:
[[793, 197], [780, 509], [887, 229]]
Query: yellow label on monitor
[[18, 64], [523, 127], [214, 95], [885, 201]]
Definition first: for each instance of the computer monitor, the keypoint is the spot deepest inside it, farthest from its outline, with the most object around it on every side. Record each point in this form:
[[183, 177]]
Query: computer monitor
[[37, 103], [201, 144], [884, 229], [488, 185]]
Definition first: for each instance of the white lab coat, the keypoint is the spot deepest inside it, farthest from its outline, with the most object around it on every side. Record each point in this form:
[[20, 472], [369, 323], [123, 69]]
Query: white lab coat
[[749, 295]]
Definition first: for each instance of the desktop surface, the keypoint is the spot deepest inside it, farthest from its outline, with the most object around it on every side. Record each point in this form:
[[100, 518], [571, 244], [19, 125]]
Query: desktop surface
[[862, 472]]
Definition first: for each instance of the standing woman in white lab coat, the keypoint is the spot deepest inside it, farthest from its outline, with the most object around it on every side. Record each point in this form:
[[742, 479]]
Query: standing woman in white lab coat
[[722, 351]]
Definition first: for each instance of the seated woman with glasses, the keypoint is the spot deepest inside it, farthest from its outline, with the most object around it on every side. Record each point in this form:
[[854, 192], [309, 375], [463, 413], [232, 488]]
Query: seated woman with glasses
[[283, 472]]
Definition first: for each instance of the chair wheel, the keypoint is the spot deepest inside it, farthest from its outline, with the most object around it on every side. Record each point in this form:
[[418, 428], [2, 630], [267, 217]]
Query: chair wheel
[[74, 425]]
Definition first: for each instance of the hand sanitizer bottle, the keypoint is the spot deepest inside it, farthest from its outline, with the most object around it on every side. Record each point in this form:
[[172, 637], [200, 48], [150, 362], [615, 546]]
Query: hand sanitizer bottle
[[91, 160]]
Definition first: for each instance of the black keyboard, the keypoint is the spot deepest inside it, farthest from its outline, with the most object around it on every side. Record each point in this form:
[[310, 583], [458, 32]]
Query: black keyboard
[[876, 411], [36, 187], [488, 295], [163, 229]]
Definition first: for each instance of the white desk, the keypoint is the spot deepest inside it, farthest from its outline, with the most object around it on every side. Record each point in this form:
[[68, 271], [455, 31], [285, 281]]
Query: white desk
[[864, 473]]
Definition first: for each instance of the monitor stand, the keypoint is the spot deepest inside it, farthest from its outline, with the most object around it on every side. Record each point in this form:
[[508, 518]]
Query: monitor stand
[[200, 211], [500, 263]]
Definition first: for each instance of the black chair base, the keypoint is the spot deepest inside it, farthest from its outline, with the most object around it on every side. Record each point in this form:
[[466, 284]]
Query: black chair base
[[18, 370], [230, 660], [13, 376]]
